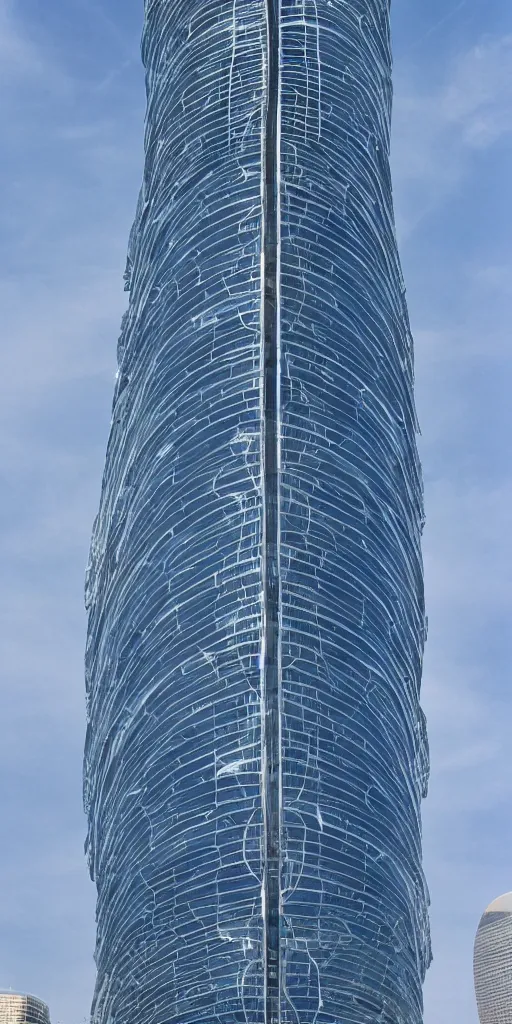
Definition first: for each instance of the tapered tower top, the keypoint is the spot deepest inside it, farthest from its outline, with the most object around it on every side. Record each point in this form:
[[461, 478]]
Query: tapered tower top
[[502, 905], [493, 962]]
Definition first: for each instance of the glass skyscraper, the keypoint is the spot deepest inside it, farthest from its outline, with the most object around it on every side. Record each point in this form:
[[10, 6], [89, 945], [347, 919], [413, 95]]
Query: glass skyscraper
[[493, 962], [256, 752]]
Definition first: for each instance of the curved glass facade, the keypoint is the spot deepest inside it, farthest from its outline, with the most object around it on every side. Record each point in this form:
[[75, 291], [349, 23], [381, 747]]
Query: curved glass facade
[[22, 1009], [493, 963], [256, 752]]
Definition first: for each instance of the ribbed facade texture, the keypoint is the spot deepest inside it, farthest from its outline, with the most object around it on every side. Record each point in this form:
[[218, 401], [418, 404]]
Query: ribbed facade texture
[[493, 963], [256, 752], [22, 1009]]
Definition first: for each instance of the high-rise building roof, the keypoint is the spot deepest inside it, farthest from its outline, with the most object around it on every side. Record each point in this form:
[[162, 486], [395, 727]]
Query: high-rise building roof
[[493, 962], [20, 1008], [503, 904]]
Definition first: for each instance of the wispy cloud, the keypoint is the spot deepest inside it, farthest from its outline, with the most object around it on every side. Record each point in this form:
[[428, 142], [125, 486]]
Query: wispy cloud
[[477, 102], [448, 122], [437, 131], [69, 180], [447, 16], [18, 56], [496, 278]]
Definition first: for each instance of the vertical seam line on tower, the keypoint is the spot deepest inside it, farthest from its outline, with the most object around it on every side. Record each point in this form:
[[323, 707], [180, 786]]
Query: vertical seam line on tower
[[271, 640]]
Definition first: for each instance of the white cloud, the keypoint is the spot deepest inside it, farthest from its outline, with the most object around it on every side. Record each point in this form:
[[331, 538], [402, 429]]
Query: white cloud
[[437, 131], [17, 55], [496, 278], [462, 369], [24, 62], [63, 335], [477, 102], [69, 183], [441, 132]]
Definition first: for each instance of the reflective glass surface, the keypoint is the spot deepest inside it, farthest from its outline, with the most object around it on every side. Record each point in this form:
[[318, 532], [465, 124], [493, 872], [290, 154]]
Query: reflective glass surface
[[256, 753], [492, 963], [22, 1009]]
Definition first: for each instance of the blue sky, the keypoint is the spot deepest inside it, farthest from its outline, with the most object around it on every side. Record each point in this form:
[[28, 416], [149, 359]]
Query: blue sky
[[71, 112]]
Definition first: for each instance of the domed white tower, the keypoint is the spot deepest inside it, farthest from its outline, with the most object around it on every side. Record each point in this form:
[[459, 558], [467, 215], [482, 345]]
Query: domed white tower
[[493, 962]]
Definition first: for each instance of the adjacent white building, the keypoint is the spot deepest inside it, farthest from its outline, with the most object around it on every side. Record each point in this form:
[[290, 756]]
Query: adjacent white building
[[493, 962], [16, 1008]]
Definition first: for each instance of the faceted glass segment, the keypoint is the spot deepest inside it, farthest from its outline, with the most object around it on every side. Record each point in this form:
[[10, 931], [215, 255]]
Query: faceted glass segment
[[493, 963], [354, 748], [174, 586], [256, 752]]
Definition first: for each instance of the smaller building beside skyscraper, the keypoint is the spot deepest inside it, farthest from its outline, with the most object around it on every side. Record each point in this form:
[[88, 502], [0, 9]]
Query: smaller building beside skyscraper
[[493, 962], [16, 1008]]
